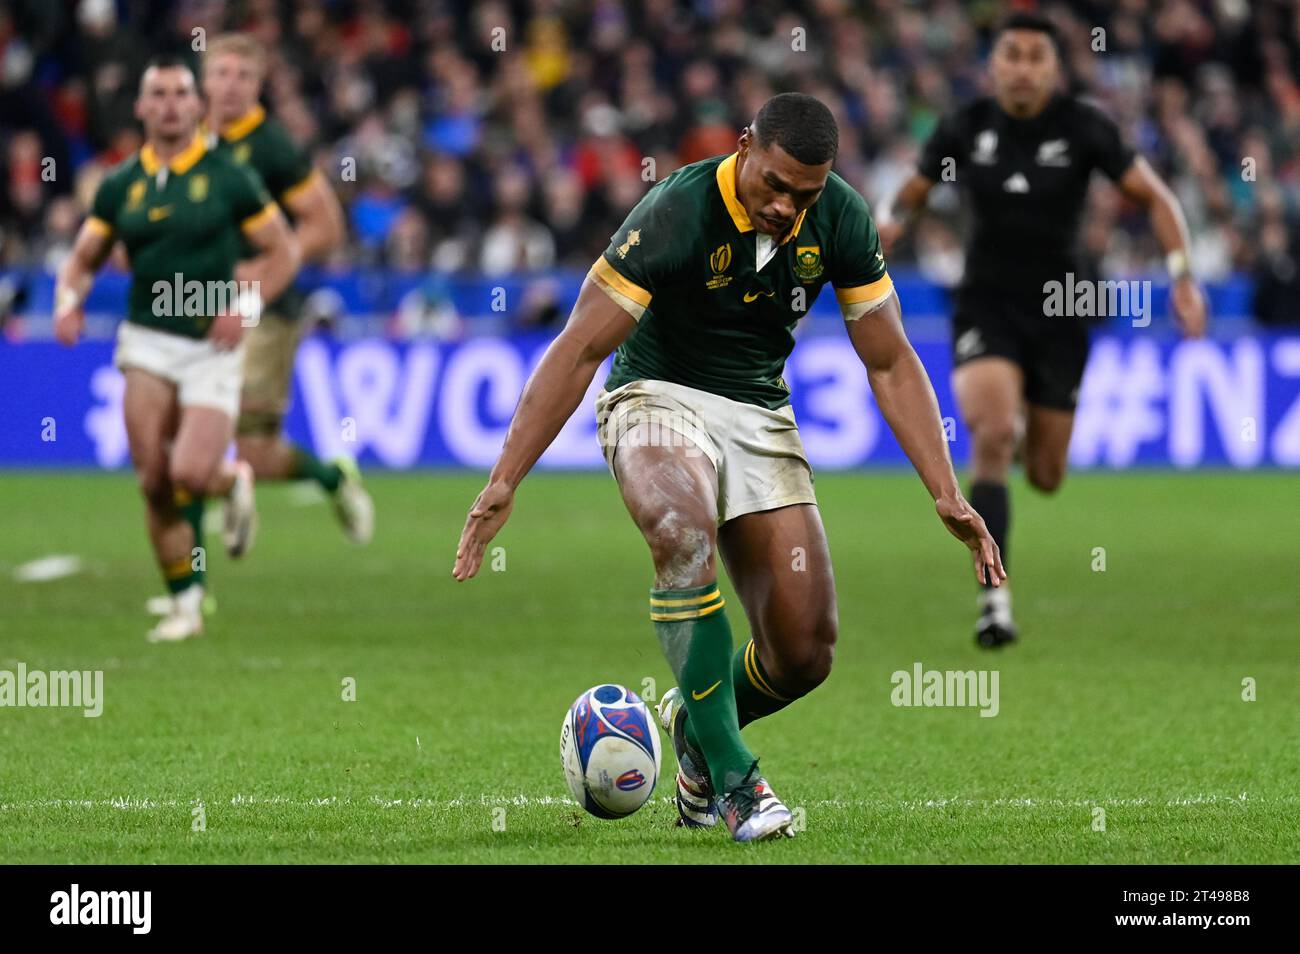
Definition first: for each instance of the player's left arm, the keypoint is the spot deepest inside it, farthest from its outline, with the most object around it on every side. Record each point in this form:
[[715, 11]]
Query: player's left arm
[[317, 217], [903, 393], [270, 270], [278, 254], [1141, 184], [906, 399]]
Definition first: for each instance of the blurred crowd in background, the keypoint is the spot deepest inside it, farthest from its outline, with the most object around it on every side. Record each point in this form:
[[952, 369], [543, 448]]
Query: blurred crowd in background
[[499, 137]]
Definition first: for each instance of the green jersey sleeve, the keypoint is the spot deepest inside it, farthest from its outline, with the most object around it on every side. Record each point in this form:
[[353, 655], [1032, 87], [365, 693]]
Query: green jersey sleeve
[[649, 250], [286, 168], [108, 200], [857, 267], [251, 203]]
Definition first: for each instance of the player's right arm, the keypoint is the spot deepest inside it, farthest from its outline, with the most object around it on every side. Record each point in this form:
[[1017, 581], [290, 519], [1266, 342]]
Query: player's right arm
[[938, 161], [899, 211], [647, 252], [317, 217], [76, 275], [597, 326]]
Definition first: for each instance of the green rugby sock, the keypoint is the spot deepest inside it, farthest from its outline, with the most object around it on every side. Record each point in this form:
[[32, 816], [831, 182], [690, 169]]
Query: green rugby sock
[[191, 508], [307, 466], [696, 638], [755, 697], [179, 575]]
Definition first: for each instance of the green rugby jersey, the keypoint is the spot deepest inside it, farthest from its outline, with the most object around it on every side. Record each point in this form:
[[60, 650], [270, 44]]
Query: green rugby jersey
[[263, 144], [189, 222], [683, 265]]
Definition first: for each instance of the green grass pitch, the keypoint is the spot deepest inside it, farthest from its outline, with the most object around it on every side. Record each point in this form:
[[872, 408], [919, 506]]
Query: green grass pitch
[[1125, 693]]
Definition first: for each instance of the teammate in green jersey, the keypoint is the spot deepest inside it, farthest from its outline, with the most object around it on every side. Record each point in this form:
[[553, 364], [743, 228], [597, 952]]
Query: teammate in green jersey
[[699, 291], [183, 213], [237, 126], [234, 67]]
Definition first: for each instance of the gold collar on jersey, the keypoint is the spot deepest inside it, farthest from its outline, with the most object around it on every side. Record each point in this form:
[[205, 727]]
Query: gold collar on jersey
[[180, 163], [245, 124], [727, 186]]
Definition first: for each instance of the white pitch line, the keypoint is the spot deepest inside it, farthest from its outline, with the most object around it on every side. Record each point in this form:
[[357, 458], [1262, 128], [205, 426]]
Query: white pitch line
[[490, 801], [53, 567]]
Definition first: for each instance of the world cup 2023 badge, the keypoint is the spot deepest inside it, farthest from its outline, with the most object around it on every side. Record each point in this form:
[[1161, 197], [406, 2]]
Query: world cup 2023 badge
[[808, 262], [719, 261]]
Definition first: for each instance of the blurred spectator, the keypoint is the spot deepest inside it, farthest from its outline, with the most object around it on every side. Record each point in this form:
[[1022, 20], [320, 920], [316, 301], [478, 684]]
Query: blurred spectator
[[427, 312], [1277, 277], [515, 242], [499, 135]]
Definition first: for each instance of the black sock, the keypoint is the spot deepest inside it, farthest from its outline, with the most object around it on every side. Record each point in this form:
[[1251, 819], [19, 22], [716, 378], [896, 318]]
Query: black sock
[[992, 502]]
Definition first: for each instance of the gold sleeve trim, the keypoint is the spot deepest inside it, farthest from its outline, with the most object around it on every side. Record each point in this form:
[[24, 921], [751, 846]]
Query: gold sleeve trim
[[860, 293], [630, 296], [258, 219]]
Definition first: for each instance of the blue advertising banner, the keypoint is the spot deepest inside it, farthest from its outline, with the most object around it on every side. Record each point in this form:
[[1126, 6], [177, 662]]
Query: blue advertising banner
[[1144, 402]]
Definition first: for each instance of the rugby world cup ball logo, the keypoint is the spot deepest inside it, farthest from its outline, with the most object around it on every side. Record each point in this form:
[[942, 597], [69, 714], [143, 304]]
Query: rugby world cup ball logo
[[720, 259]]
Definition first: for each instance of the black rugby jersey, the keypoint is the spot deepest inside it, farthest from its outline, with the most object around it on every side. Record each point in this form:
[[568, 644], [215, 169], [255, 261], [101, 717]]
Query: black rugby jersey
[[1026, 182]]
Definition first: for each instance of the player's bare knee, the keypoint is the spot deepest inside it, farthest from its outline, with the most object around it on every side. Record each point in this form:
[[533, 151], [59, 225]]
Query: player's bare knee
[[995, 436], [993, 446], [682, 548], [193, 477], [1045, 476], [155, 485]]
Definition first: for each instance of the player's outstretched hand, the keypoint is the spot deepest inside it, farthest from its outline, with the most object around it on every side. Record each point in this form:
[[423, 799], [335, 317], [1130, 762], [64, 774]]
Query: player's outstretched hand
[[227, 330], [890, 232], [485, 520], [1189, 306], [68, 322], [968, 526]]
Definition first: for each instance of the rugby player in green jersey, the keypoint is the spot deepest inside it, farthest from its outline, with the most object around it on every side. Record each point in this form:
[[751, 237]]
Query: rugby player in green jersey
[[237, 126], [699, 291], [183, 214], [234, 67]]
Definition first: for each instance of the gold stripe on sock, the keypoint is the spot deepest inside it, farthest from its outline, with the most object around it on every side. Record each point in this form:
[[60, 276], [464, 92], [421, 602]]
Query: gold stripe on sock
[[181, 497], [178, 569], [756, 677], [693, 601], [688, 614]]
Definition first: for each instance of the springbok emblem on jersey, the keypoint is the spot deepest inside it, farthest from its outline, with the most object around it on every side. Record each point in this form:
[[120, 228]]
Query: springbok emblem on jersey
[[808, 262]]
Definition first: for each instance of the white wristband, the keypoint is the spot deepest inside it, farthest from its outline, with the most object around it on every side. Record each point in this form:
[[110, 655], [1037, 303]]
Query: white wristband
[[66, 299], [1176, 262]]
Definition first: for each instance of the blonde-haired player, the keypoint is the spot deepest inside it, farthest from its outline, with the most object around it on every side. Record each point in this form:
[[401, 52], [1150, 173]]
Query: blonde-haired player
[[185, 216], [234, 68]]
